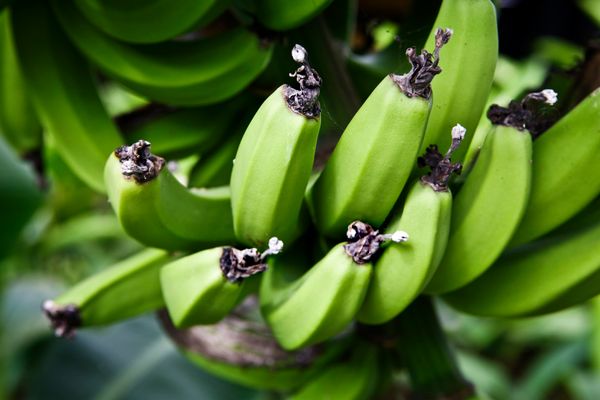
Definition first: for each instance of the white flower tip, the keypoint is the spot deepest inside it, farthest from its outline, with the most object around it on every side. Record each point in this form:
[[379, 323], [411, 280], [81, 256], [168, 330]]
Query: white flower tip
[[399, 236], [351, 232], [275, 245], [458, 132], [299, 54], [550, 95], [48, 305]]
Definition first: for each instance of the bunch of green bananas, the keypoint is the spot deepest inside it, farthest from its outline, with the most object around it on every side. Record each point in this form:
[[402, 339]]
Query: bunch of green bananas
[[364, 236]]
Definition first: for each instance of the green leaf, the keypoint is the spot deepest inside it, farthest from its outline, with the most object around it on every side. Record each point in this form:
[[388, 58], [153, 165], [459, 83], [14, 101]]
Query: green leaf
[[132, 360]]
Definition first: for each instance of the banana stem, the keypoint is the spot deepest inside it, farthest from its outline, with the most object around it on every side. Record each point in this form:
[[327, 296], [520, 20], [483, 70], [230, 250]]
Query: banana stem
[[339, 95], [425, 351]]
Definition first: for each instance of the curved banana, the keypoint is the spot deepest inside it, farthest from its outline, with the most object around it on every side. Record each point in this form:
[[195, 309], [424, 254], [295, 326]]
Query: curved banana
[[128, 288], [374, 157], [204, 287], [18, 122], [402, 272], [275, 158], [63, 92], [198, 72], [563, 181], [157, 210], [460, 93], [222, 350], [323, 301], [149, 21], [493, 199], [545, 276], [352, 379], [281, 16]]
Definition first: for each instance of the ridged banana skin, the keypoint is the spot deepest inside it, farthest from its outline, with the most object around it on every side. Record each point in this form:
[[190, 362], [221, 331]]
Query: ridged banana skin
[[135, 207], [128, 288], [165, 214], [564, 170], [200, 215], [199, 72], [195, 290], [63, 93], [283, 15], [18, 122], [404, 269], [487, 210], [372, 161], [461, 90], [321, 304], [214, 168], [535, 278], [147, 21], [351, 380], [270, 172]]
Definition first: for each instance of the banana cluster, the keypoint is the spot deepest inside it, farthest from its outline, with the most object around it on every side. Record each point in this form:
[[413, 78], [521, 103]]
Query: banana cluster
[[364, 236]]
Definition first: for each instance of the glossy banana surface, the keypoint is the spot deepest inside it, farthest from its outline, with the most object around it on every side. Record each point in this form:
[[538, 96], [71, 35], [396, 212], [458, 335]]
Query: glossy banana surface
[[126, 289], [197, 72], [461, 91], [274, 160], [375, 155]]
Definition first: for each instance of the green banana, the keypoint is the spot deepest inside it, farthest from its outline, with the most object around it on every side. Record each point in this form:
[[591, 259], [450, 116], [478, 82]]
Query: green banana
[[323, 301], [462, 90], [493, 199], [177, 133], [402, 272], [128, 288], [63, 92], [274, 160], [511, 79], [563, 177], [281, 16], [545, 276], [242, 349], [18, 122], [204, 287], [149, 21], [157, 210], [352, 379], [374, 157], [198, 72]]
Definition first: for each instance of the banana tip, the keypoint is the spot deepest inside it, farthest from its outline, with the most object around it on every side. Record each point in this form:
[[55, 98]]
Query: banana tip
[[63, 319]]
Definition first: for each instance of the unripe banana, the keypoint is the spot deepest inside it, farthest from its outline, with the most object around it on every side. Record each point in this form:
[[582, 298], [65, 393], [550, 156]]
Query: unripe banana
[[63, 92], [564, 178], [324, 300], [223, 350], [18, 122], [373, 159], [149, 21], [196, 72], [491, 203], [157, 210], [402, 272], [281, 16], [352, 379], [545, 276], [128, 288], [460, 93], [275, 158], [204, 287]]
